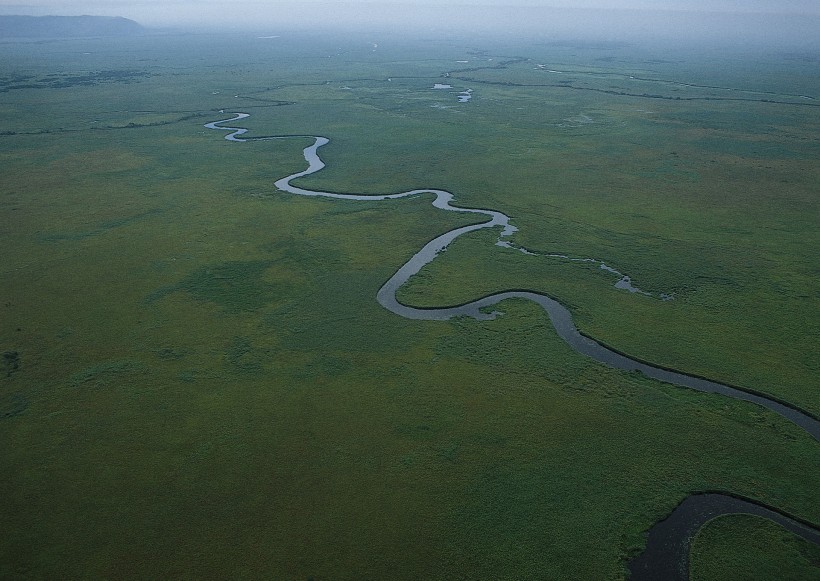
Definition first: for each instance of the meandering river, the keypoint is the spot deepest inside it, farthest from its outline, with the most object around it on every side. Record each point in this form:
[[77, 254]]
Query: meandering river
[[667, 552]]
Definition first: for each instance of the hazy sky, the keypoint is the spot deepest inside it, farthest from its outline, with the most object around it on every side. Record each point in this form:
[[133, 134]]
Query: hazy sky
[[133, 6], [192, 7], [740, 18]]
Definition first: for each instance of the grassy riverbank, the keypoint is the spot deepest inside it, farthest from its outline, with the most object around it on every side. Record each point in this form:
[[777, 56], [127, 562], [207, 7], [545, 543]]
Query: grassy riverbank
[[207, 387], [749, 547]]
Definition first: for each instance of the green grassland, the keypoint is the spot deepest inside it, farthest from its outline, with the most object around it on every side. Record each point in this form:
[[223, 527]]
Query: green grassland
[[206, 386], [749, 547]]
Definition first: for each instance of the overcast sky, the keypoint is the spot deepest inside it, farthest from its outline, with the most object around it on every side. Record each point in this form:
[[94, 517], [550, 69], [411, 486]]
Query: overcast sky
[[132, 6], [753, 19]]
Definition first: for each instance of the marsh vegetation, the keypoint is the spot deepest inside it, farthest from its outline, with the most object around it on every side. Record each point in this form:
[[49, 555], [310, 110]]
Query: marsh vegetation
[[204, 384]]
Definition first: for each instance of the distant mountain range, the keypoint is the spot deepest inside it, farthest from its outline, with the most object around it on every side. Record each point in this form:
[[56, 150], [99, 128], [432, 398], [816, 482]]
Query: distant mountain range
[[66, 26]]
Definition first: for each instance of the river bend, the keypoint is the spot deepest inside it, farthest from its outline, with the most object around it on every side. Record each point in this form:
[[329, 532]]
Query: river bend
[[558, 314], [668, 542]]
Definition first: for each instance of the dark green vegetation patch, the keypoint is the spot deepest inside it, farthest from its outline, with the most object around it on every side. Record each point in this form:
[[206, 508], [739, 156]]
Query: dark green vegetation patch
[[753, 549], [234, 286], [67, 80]]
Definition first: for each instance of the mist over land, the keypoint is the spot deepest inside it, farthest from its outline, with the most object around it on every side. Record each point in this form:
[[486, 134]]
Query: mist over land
[[727, 23], [22, 27]]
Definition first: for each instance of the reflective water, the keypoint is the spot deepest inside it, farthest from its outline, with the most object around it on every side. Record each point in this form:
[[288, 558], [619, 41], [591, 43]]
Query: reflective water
[[669, 541]]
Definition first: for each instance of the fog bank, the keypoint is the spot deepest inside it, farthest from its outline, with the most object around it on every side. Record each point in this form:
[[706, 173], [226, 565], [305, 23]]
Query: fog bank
[[748, 23]]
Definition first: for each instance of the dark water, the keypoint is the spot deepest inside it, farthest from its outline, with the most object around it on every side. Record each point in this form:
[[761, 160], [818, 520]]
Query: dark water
[[666, 556], [667, 552]]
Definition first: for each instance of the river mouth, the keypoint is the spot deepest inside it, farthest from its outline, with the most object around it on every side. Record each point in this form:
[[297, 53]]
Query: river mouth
[[668, 542]]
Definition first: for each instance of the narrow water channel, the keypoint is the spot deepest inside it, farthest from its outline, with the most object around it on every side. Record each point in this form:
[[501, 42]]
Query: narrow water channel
[[667, 552]]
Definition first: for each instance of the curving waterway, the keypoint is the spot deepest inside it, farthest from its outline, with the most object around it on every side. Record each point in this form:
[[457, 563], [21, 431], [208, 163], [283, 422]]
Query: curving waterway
[[668, 542], [666, 557]]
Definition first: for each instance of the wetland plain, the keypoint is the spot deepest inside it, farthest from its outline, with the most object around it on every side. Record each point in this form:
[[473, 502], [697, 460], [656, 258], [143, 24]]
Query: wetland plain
[[199, 381]]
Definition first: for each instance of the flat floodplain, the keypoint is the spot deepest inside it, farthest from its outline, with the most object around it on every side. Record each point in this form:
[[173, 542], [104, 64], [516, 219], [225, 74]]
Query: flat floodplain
[[200, 382]]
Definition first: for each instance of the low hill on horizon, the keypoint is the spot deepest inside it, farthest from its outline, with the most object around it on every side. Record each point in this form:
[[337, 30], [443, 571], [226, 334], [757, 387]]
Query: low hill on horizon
[[66, 26]]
